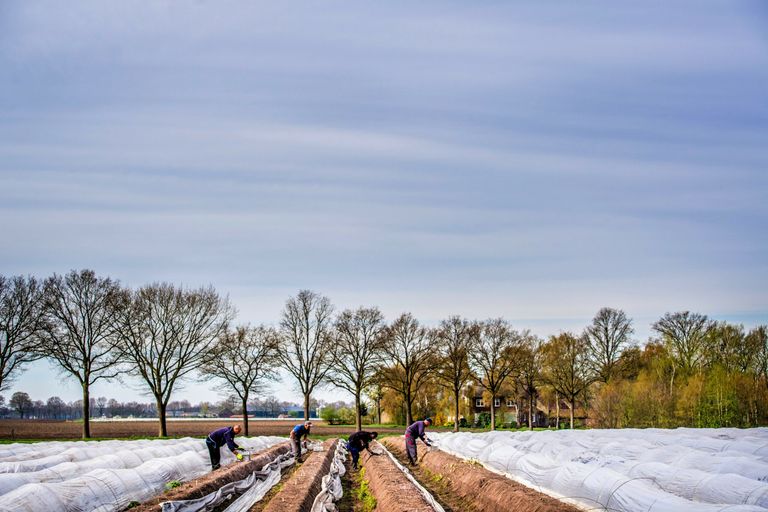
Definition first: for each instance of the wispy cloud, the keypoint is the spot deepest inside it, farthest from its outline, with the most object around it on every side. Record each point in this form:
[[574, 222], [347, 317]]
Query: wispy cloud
[[531, 161]]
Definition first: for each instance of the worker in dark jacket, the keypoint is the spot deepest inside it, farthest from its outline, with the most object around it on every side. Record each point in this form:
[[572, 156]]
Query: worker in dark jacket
[[220, 437], [416, 430], [358, 442], [299, 431]]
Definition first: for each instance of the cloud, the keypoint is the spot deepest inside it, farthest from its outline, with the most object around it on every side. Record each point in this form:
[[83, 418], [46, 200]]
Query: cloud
[[531, 161]]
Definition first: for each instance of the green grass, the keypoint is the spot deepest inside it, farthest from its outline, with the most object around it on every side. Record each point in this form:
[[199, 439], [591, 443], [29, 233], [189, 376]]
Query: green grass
[[363, 493]]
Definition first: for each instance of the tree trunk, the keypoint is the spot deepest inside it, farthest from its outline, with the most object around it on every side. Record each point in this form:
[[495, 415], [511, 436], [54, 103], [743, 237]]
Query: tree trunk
[[408, 414], [557, 411], [493, 414], [245, 415], [86, 412], [163, 431], [456, 409], [358, 416], [530, 412], [306, 406], [672, 381], [378, 409], [573, 406]]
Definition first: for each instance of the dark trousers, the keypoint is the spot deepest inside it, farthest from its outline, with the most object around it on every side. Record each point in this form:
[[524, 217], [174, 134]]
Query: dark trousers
[[410, 448], [355, 452], [215, 453]]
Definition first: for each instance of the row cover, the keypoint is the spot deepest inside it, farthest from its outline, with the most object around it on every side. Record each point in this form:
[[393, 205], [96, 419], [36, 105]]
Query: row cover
[[631, 470], [106, 484]]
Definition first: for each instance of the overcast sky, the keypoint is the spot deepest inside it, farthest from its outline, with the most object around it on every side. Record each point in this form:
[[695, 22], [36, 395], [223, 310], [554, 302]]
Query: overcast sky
[[535, 161]]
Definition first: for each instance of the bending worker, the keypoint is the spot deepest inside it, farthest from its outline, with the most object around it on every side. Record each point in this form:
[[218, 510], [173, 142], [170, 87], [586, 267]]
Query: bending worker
[[411, 433], [219, 438], [299, 431], [359, 442]]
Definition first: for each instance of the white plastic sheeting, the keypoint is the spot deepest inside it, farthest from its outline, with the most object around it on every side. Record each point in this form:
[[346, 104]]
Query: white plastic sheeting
[[682, 470], [102, 475], [331, 489]]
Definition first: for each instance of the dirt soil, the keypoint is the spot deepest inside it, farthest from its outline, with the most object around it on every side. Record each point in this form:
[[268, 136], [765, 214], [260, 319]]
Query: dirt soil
[[392, 490], [474, 486], [349, 501], [49, 429], [299, 492], [213, 481]]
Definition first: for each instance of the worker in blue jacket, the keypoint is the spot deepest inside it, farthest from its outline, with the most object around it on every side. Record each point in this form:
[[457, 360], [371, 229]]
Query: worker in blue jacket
[[414, 431], [220, 437], [299, 431]]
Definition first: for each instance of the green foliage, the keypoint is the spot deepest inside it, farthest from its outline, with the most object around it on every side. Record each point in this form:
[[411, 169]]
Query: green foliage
[[133, 504], [483, 420], [172, 485], [363, 493], [338, 415]]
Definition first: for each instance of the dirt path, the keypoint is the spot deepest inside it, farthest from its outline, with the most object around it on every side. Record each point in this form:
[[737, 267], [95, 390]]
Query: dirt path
[[462, 485], [299, 491], [435, 482], [392, 490]]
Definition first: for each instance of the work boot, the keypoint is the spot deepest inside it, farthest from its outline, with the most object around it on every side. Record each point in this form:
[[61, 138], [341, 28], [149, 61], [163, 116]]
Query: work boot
[[214, 468]]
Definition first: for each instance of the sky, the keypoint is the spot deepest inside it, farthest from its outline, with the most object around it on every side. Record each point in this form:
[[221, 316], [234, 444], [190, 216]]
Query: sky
[[535, 161]]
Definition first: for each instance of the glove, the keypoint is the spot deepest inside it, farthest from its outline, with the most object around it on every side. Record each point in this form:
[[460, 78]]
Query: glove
[[239, 456]]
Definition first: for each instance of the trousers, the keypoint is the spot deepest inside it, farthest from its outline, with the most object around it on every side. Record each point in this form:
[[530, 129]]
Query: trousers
[[215, 453], [410, 448]]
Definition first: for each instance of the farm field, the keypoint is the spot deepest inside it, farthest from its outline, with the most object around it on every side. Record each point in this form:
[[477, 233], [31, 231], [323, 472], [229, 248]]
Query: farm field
[[44, 429], [618, 470], [630, 470]]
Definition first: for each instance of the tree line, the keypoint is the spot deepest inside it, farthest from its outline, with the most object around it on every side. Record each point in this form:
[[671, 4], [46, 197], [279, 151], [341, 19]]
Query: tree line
[[94, 328], [21, 405]]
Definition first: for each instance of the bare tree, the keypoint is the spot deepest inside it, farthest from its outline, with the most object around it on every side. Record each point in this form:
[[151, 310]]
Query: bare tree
[[607, 337], [685, 335], [21, 402], [567, 368], [101, 404], [21, 323], [359, 345], [55, 406], [376, 394], [244, 359], [454, 340], [79, 333], [530, 373], [306, 347], [727, 347], [409, 359], [166, 333], [495, 357]]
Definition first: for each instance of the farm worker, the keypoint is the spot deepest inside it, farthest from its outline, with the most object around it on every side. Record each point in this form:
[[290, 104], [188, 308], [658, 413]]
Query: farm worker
[[411, 433], [359, 442], [219, 438], [299, 431]]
